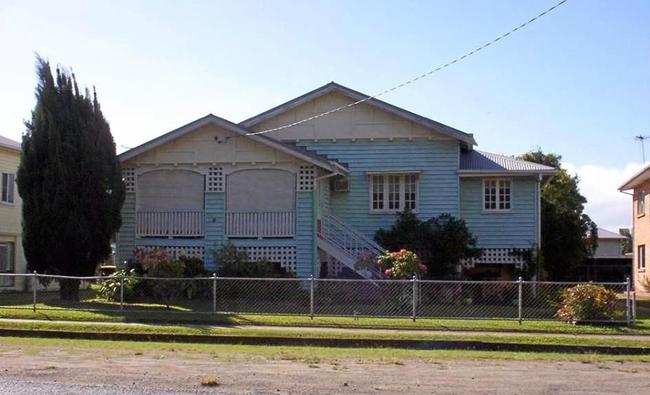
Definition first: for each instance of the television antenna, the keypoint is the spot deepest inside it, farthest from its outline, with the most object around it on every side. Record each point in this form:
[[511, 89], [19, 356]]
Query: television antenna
[[641, 138]]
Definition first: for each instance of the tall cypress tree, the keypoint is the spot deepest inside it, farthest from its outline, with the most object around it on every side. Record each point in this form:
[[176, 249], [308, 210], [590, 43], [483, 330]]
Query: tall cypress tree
[[70, 181]]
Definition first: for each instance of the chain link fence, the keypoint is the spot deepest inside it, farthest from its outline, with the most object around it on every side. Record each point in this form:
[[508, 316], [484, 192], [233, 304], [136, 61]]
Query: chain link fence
[[509, 300]]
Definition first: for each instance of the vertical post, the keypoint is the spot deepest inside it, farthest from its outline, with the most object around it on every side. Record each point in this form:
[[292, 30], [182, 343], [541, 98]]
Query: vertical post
[[311, 296], [414, 281], [520, 302], [214, 292], [634, 307], [628, 318], [34, 285], [122, 293]]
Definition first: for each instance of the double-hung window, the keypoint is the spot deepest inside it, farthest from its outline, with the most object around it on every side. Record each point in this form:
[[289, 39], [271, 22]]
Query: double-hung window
[[640, 203], [497, 194], [7, 188], [6, 257], [393, 192], [640, 257]]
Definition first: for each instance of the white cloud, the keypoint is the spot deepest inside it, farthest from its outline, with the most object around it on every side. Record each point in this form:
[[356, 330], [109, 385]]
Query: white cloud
[[608, 207]]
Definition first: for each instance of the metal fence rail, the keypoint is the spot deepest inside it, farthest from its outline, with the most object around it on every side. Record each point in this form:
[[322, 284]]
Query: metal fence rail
[[414, 298]]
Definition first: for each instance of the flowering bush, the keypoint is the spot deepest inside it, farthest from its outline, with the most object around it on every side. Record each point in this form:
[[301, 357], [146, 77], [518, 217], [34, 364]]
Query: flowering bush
[[150, 258], [400, 264], [587, 302]]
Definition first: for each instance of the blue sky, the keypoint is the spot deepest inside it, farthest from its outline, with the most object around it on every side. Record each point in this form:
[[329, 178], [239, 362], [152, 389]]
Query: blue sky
[[577, 82]]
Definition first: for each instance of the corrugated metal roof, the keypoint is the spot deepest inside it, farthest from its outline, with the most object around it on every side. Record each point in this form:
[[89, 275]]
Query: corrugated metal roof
[[485, 162], [9, 143], [606, 234]]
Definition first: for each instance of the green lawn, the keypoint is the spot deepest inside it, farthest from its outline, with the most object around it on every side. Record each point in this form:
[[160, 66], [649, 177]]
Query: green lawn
[[271, 332], [310, 355]]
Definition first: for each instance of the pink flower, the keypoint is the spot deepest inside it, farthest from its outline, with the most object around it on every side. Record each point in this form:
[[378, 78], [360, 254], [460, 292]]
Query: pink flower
[[388, 272], [422, 267]]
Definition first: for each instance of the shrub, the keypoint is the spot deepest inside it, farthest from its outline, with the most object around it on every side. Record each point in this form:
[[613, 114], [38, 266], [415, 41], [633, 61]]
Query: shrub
[[443, 242], [587, 302], [109, 288], [149, 258], [167, 290], [234, 263], [400, 264]]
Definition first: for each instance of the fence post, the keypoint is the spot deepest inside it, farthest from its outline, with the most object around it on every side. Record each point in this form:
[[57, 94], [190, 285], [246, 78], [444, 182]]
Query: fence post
[[311, 296], [34, 282], [414, 280], [627, 301], [634, 307], [122, 293], [520, 302], [214, 292]]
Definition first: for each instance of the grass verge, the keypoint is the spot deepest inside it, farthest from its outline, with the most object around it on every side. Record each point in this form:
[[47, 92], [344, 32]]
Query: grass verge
[[308, 355], [305, 333]]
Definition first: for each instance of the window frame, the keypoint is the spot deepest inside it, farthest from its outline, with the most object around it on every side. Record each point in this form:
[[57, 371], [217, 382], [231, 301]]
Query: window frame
[[11, 255], [385, 193], [8, 188], [497, 201], [640, 253], [640, 203]]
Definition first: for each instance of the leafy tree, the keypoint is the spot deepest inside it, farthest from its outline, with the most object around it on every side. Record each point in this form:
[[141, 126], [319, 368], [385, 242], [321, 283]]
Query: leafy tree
[[70, 181], [569, 236], [441, 242]]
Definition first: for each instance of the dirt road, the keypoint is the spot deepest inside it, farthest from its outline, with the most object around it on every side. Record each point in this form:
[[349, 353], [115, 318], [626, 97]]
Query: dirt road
[[86, 370]]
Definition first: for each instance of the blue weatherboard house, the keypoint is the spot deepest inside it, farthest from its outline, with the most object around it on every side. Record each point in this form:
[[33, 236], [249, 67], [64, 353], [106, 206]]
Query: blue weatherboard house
[[312, 195]]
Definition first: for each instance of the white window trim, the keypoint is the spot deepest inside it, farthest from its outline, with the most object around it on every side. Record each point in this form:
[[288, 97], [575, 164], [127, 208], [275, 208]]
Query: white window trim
[[402, 185], [497, 210], [12, 177]]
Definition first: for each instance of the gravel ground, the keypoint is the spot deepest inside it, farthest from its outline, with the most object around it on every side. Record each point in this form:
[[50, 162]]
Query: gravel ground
[[71, 370]]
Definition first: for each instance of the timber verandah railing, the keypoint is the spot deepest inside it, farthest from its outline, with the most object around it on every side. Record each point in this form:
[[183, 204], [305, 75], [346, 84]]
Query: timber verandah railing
[[260, 224], [505, 300], [177, 223]]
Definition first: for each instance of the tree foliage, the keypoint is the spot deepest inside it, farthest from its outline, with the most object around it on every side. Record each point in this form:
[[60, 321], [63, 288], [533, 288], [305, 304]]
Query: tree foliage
[[69, 179], [569, 236], [441, 242]]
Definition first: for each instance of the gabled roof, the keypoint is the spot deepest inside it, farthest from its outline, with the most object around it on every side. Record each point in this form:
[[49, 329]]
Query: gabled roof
[[9, 143], [606, 234], [479, 162], [211, 119], [640, 177], [466, 138]]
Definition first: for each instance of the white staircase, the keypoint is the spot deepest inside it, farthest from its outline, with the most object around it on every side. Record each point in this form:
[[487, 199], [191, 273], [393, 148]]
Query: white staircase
[[347, 245]]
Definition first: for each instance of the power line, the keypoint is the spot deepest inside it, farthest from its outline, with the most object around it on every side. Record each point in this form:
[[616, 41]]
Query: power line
[[419, 77]]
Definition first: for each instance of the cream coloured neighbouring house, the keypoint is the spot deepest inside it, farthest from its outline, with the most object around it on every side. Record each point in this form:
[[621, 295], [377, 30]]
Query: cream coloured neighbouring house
[[12, 259], [312, 196], [639, 185]]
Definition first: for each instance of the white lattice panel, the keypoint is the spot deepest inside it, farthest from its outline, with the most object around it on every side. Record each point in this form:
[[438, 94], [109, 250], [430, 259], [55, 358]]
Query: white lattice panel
[[215, 181], [128, 175], [306, 177], [285, 256], [177, 251], [499, 256]]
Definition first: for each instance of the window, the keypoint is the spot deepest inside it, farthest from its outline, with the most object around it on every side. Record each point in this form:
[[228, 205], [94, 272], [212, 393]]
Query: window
[[7, 188], [6, 257], [640, 203], [640, 257], [497, 195], [393, 192]]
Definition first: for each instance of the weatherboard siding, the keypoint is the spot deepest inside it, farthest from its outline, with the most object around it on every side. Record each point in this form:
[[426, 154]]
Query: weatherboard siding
[[514, 229], [126, 236], [436, 160]]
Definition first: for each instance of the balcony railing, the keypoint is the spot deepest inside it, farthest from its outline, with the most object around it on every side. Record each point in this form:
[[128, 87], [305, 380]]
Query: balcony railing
[[260, 224], [188, 223]]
